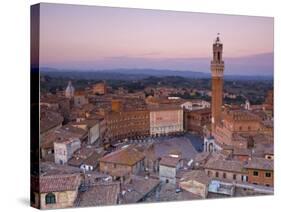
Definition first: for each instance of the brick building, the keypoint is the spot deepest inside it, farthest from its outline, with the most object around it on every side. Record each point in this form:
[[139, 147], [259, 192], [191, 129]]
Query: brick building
[[91, 126], [100, 88], [237, 126], [260, 171], [194, 121], [49, 121], [123, 124], [57, 103], [268, 104], [80, 99], [196, 182], [55, 191], [120, 163], [229, 170]]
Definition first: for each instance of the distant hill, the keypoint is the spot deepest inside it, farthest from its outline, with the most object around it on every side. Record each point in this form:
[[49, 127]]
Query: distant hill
[[135, 74]]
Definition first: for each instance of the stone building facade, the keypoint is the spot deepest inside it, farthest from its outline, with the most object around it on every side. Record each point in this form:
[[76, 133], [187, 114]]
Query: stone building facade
[[194, 121], [56, 191], [237, 126], [125, 161], [64, 149], [165, 120], [228, 170], [127, 124], [169, 166], [196, 182], [260, 171], [92, 127]]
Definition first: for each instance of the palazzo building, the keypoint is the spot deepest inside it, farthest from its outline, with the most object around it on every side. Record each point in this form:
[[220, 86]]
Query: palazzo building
[[165, 119], [229, 127], [125, 123]]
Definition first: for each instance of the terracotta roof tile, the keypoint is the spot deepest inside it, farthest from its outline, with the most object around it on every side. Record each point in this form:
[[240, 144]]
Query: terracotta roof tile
[[56, 183], [225, 165], [170, 161], [197, 175], [127, 156], [260, 163], [49, 120], [100, 194]]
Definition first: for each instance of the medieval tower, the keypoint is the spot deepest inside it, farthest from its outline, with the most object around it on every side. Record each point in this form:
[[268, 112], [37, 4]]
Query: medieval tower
[[217, 69]]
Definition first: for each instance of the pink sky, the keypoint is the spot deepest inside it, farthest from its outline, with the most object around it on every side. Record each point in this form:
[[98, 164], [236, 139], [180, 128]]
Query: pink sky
[[97, 37]]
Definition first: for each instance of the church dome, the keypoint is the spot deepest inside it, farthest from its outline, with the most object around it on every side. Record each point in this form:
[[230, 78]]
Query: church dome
[[69, 91]]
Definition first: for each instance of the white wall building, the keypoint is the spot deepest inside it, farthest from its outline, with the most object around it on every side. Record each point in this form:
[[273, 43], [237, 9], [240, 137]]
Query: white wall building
[[169, 165], [195, 105], [65, 149], [165, 121], [91, 126]]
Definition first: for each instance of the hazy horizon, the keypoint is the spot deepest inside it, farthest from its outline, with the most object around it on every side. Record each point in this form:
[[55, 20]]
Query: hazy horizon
[[235, 66], [91, 37]]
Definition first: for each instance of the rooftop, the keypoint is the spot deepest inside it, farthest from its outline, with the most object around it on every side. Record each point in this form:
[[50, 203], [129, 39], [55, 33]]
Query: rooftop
[[225, 165], [168, 193], [88, 155], [60, 135], [49, 120], [201, 111], [52, 99], [137, 189], [127, 155], [88, 122], [241, 151], [50, 168], [260, 163], [76, 130], [170, 160], [164, 107], [241, 115], [202, 157], [196, 175], [57, 183], [100, 194]]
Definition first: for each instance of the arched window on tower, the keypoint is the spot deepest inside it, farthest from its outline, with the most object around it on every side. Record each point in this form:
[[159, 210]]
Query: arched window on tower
[[219, 56]]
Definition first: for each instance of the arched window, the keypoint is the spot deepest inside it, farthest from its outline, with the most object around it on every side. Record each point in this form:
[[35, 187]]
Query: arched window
[[50, 198]]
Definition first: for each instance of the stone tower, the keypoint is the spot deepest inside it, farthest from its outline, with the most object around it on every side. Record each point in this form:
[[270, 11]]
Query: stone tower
[[69, 91], [217, 68]]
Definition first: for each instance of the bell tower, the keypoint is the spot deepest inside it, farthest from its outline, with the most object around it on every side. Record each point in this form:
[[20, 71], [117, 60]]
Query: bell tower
[[217, 69]]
